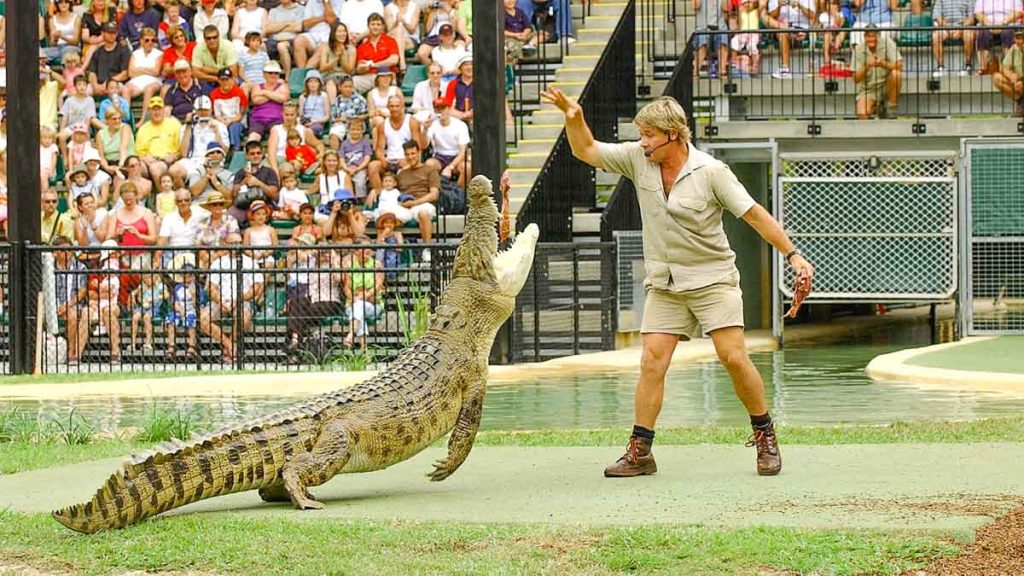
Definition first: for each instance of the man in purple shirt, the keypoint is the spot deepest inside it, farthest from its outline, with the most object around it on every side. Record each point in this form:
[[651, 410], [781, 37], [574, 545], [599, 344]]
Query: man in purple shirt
[[518, 32], [182, 94], [137, 18], [460, 91]]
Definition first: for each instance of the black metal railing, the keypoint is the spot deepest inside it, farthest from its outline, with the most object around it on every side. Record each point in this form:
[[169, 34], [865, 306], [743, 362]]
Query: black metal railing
[[568, 304], [661, 38], [622, 212], [230, 307], [758, 85], [564, 182]]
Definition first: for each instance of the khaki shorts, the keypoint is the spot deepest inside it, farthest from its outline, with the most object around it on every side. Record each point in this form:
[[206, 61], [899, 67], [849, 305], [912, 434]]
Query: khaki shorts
[[696, 312]]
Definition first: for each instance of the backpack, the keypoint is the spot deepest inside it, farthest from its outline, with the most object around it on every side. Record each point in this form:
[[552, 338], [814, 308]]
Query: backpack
[[452, 199]]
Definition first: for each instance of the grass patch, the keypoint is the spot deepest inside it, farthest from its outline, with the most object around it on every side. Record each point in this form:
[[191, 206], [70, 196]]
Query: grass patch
[[24, 456], [238, 545], [990, 430]]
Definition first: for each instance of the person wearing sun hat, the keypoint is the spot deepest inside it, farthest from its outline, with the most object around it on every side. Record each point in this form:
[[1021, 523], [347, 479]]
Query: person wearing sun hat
[[99, 180], [267, 101], [260, 234], [346, 220], [219, 224], [459, 94]]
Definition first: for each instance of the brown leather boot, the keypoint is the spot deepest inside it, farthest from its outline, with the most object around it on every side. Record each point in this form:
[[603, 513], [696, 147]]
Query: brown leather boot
[[637, 461], [769, 459]]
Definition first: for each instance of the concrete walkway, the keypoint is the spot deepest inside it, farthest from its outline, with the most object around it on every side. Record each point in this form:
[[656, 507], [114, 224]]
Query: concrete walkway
[[949, 488]]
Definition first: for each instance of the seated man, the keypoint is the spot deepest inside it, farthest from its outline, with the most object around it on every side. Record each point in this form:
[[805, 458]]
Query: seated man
[[423, 183], [70, 280], [877, 67], [223, 292], [994, 13], [782, 14], [363, 289], [158, 141], [1009, 80], [101, 306]]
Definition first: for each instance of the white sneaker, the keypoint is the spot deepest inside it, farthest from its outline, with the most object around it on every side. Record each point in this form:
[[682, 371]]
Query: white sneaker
[[939, 72], [782, 74], [570, 40], [425, 256]]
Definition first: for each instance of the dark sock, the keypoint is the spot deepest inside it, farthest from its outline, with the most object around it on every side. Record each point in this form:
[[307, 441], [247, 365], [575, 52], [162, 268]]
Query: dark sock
[[641, 432], [762, 421]]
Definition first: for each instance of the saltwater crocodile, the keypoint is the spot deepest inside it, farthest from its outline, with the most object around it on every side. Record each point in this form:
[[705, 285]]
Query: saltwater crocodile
[[433, 387]]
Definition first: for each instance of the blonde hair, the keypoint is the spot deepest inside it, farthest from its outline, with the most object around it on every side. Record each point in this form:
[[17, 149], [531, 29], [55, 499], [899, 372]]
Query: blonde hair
[[71, 58], [665, 114], [47, 132]]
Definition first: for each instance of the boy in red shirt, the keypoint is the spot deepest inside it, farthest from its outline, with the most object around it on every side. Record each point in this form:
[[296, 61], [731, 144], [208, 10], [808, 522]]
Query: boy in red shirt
[[229, 106], [302, 156]]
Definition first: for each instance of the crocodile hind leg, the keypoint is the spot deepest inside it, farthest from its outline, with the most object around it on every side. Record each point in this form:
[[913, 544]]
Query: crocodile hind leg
[[275, 493], [328, 456]]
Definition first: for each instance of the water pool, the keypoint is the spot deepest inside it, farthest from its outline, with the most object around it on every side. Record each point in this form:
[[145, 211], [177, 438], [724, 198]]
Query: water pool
[[805, 384]]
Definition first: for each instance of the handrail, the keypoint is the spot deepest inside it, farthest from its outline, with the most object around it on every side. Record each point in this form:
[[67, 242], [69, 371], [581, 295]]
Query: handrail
[[564, 182]]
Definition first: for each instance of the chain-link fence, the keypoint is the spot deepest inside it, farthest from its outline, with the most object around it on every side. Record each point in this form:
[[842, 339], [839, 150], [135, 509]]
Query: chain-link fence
[[233, 307], [878, 228], [568, 304], [995, 240]]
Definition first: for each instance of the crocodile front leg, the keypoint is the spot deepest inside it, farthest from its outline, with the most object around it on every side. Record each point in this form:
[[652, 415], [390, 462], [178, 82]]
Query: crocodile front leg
[[460, 442], [329, 455]]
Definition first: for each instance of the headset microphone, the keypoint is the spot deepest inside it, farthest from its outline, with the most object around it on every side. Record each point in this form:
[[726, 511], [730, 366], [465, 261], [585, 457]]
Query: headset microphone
[[649, 153]]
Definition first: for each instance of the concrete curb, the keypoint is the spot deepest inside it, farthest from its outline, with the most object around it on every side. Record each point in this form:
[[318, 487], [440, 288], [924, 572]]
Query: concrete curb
[[895, 367]]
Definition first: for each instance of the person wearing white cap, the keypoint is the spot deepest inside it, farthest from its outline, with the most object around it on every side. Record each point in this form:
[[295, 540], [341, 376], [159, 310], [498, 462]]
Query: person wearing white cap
[[196, 137]]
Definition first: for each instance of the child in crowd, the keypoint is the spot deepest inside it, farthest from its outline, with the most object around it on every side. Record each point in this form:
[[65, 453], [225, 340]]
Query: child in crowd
[[390, 199], [301, 156], [114, 98], [746, 59], [47, 156], [165, 203], [313, 106], [79, 184], [148, 299], [377, 97], [79, 108], [73, 68], [185, 300], [74, 153], [832, 22], [387, 234], [260, 235], [290, 198], [172, 17], [355, 157], [309, 222], [252, 60], [347, 106]]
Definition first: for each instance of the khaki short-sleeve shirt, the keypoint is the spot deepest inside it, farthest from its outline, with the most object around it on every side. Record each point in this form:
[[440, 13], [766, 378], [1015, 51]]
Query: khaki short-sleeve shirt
[[685, 247]]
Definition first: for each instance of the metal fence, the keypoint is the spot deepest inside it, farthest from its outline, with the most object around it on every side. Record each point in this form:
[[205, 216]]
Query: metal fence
[[877, 227], [565, 183], [994, 239], [757, 86], [189, 308], [568, 304]]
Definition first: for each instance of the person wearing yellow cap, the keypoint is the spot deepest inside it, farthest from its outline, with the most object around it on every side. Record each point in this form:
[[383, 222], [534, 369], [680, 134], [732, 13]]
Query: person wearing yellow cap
[[157, 141]]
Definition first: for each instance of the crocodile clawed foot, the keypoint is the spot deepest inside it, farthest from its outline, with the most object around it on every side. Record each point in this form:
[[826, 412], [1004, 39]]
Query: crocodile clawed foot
[[308, 504], [441, 471]]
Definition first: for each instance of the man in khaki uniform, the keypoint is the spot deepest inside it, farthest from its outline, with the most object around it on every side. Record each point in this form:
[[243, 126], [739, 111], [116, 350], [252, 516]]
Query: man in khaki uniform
[[692, 281], [878, 67], [1010, 78]]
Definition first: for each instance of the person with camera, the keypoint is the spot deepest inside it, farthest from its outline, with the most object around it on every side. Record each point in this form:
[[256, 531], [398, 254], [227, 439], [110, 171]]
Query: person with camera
[[213, 178], [255, 181], [346, 220], [199, 130]]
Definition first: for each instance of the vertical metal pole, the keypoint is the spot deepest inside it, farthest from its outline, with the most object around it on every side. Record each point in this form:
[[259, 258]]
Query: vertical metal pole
[[489, 90], [238, 322], [576, 300], [536, 311], [23, 163]]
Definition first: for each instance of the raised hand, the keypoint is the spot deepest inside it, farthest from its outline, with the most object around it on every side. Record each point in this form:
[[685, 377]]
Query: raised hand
[[555, 96]]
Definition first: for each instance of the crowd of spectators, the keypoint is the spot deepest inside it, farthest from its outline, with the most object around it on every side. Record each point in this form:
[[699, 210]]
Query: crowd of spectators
[[181, 123], [854, 41]]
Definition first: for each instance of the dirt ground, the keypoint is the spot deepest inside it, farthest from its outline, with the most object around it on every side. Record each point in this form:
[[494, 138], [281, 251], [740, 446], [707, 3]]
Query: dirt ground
[[998, 550]]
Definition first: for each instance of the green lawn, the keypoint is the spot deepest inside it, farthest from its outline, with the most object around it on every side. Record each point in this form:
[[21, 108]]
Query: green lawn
[[1002, 354], [226, 544]]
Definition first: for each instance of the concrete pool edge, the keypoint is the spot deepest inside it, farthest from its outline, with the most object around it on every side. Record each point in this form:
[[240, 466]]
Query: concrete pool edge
[[896, 367], [304, 384]]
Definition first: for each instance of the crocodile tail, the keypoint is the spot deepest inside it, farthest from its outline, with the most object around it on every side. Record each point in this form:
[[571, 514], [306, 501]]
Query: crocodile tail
[[176, 474]]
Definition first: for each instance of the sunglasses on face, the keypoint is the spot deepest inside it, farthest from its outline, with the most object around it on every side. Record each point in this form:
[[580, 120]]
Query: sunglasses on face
[[49, 201], [182, 201], [208, 38]]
